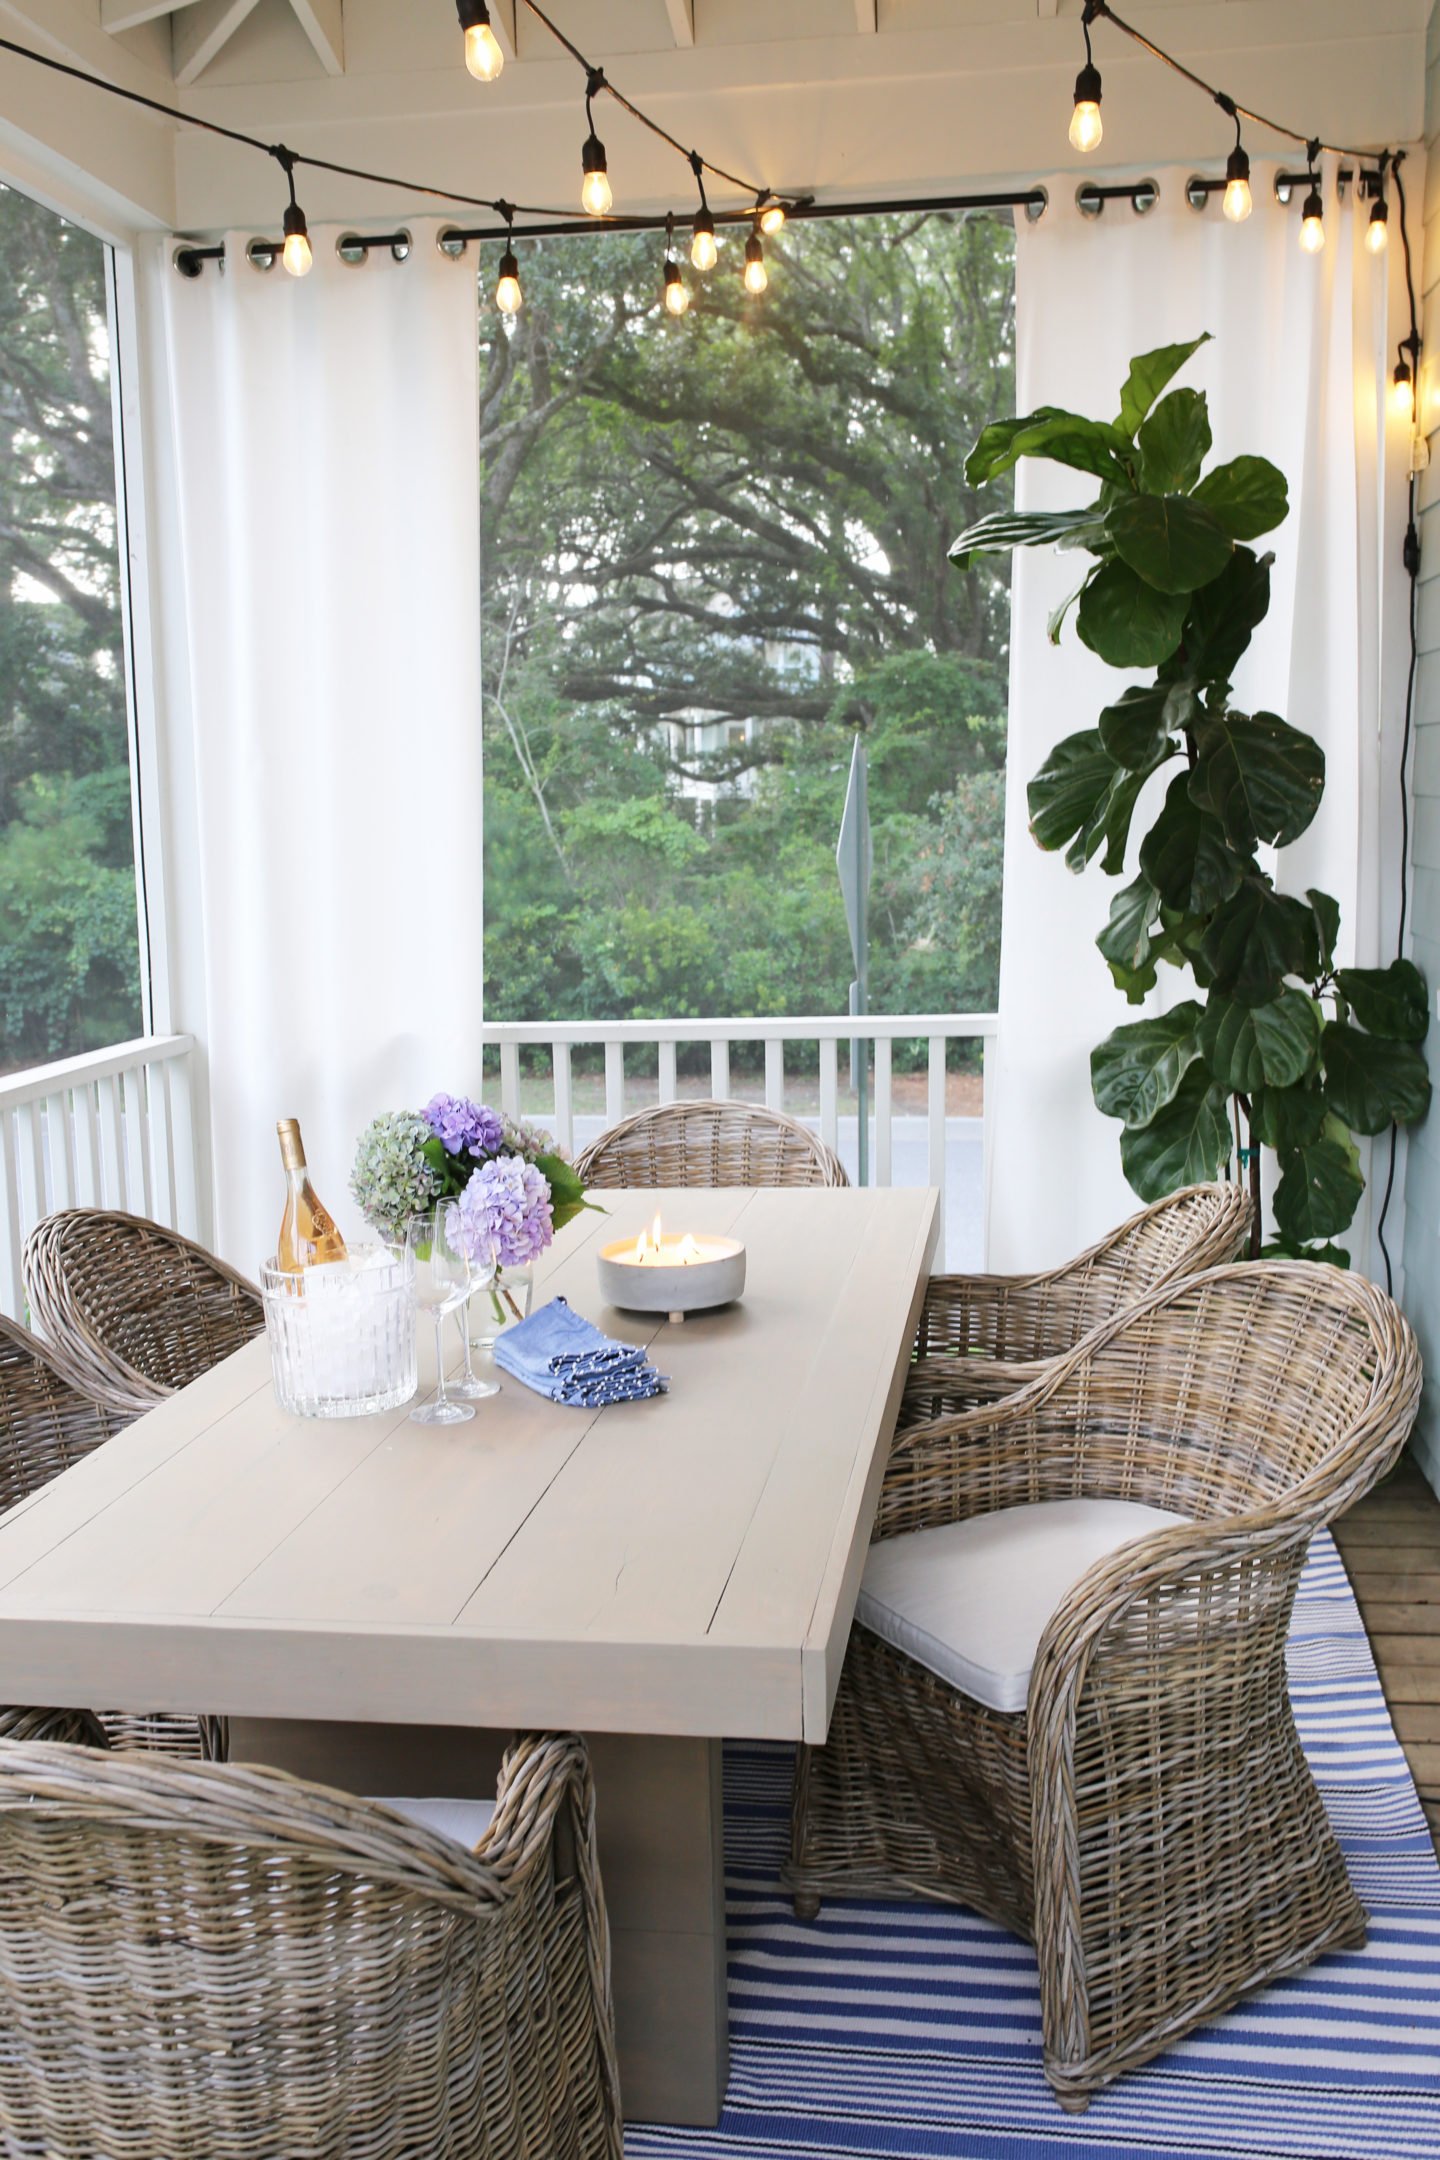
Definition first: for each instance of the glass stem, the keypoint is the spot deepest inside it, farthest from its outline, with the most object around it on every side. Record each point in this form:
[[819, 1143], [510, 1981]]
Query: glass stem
[[440, 1395], [465, 1340]]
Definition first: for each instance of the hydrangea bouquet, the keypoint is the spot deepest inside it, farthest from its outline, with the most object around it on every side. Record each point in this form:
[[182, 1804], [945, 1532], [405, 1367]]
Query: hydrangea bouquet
[[514, 1187]]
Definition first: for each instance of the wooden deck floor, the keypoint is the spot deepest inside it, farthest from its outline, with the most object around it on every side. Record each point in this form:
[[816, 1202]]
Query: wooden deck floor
[[1391, 1546]]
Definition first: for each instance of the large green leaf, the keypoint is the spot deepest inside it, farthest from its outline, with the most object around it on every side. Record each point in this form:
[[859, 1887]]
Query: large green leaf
[[1262, 778], [1184, 1143], [1371, 1083], [1108, 824], [1125, 939], [567, 1193], [1056, 621], [1320, 1186], [1003, 530], [1248, 496], [1137, 1069], [1067, 438], [1255, 939], [1126, 621], [1221, 619], [1149, 373], [1288, 1117], [1072, 782], [1253, 1046], [1185, 856], [1173, 443], [1137, 728], [1171, 542], [1327, 928], [1389, 1001]]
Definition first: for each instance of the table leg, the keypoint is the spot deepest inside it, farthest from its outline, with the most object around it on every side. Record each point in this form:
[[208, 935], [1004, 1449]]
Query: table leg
[[658, 1805]]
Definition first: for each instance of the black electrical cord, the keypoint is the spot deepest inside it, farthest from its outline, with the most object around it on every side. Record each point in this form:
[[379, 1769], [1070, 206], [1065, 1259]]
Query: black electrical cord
[[1412, 571]]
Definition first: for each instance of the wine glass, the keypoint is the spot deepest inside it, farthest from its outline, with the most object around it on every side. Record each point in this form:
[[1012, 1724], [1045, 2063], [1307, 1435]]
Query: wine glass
[[442, 1285], [484, 1266]]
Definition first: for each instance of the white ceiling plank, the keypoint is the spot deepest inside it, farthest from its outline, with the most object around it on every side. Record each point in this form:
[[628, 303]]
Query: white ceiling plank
[[200, 31], [502, 22], [682, 20], [323, 23], [118, 15], [867, 17]]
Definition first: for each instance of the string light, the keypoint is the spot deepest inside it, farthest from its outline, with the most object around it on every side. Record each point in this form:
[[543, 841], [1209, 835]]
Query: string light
[[483, 54], [1237, 202], [1312, 214], [703, 251], [757, 277], [674, 291], [1377, 232], [772, 216], [1402, 390], [296, 254], [1086, 127], [595, 194], [508, 296]]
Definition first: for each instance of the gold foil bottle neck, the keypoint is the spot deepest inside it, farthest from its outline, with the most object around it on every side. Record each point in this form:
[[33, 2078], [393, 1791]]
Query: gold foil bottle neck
[[292, 1148]]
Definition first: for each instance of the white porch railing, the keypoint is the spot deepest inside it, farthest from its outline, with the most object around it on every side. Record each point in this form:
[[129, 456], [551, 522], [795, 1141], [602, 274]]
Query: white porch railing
[[828, 1032], [112, 1129]]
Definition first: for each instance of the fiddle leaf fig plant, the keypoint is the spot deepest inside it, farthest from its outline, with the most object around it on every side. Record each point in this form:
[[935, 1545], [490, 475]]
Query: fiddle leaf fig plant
[[1285, 1049]]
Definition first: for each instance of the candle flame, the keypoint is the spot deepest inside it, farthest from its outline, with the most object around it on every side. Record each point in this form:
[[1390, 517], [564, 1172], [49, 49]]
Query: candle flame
[[657, 1235], [689, 1250], [641, 1247]]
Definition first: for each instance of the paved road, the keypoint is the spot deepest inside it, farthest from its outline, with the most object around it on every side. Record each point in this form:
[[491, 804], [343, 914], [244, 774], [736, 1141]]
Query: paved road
[[963, 1252]]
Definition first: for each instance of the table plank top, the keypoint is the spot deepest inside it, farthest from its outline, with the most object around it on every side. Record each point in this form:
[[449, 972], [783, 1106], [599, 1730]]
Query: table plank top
[[684, 1565]]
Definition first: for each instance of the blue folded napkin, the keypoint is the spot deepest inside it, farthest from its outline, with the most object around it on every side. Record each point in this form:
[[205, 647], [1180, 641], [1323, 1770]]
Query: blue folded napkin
[[559, 1354]]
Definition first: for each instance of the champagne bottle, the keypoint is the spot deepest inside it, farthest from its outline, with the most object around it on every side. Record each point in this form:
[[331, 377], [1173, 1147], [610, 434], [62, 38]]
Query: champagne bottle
[[308, 1236]]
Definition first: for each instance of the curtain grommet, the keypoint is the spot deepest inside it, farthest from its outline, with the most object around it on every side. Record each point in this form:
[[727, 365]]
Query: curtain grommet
[[451, 243], [354, 249], [263, 254]]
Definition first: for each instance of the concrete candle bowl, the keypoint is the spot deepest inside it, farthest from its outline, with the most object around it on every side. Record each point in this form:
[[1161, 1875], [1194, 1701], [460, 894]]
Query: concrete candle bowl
[[689, 1272]]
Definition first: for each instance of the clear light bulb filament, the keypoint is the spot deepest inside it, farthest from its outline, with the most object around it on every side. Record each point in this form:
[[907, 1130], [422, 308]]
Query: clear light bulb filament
[[484, 56], [757, 277]]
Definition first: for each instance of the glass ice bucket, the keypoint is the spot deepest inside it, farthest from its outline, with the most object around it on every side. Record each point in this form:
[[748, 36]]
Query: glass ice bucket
[[342, 1336]]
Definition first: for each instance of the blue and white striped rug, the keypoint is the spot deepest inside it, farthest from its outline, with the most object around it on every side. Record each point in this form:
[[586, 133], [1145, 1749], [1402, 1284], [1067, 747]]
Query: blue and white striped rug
[[914, 2030]]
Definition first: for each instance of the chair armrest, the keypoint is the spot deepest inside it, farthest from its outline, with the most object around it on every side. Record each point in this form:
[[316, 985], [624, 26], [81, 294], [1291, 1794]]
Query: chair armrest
[[1008, 1317]]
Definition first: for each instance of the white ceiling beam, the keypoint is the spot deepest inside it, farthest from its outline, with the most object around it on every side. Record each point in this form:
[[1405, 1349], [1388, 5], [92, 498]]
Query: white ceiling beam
[[200, 31], [682, 20], [323, 23], [867, 17], [118, 15], [502, 22]]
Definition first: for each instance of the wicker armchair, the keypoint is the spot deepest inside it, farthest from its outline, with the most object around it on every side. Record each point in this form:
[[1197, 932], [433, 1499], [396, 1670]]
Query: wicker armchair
[[45, 1426], [217, 1963], [1147, 1818], [132, 1311], [709, 1143], [981, 1337]]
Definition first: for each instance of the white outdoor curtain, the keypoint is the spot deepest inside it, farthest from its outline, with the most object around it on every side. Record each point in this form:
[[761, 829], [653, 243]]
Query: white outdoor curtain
[[324, 477], [1296, 373]]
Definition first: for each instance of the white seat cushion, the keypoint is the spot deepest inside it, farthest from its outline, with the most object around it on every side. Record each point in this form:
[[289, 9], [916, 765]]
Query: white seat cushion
[[466, 1821], [970, 1600]]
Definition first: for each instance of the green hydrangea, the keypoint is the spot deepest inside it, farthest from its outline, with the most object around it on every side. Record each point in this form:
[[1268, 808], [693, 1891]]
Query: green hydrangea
[[391, 1181]]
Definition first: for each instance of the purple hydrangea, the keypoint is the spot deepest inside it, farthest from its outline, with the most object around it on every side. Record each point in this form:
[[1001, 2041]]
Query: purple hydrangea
[[505, 1210], [461, 1125]]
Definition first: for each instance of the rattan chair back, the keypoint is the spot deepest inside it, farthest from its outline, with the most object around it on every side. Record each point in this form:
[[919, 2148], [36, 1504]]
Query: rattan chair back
[[45, 1423], [709, 1143], [133, 1311], [220, 1963]]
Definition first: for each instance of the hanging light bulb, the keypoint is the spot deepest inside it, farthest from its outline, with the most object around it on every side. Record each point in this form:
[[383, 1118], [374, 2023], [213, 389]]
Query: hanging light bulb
[[703, 251], [772, 217], [1312, 223], [483, 54], [757, 277], [508, 296], [595, 193], [1377, 232], [1236, 202], [1402, 391], [674, 291], [1086, 126], [296, 253]]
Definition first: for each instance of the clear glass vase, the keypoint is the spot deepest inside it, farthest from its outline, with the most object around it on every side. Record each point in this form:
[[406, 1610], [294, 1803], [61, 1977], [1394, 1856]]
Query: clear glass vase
[[506, 1301]]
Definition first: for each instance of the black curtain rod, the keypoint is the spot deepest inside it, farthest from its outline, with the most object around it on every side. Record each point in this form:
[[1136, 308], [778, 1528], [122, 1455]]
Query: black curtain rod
[[1032, 199]]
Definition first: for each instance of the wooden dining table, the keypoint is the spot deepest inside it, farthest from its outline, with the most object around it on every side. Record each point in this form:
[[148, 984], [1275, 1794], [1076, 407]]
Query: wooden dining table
[[378, 1603]]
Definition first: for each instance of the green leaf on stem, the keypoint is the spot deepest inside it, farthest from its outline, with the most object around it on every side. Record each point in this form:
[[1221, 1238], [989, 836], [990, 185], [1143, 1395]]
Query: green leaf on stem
[[1125, 621], [1221, 620], [1184, 1143], [1137, 1069], [1255, 1046], [1255, 939], [1289, 1117], [1170, 541], [1320, 1186], [1390, 1001], [1185, 855], [1261, 777], [1125, 940], [1327, 928], [1248, 496], [1371, 1082], [1149, 373], [1286, 1249], [1066, 438], [1003, 530], [1074, 779], [1137, 728], [1173, 443]]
